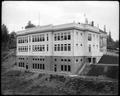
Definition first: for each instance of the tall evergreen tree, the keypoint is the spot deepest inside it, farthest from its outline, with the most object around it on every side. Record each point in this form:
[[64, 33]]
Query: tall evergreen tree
[[5, 37]]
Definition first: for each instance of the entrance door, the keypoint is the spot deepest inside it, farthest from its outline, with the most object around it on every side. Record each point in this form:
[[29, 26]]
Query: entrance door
[[94, 60], [55, 67], [26, 66]]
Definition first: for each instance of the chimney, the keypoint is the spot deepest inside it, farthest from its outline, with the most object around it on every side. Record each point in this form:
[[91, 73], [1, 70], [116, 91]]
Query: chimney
[[104, 28], [92, 23]]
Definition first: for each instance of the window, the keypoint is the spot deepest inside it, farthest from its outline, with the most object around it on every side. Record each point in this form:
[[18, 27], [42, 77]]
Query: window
[[47, 37], [65, 59], [89, 48], [69, 47], [65, 67], [29, 48], [89, 60], [58, 36], [58, 47], [65, 47], [43, 66], [61, 67], [69, 36], [55, 59], [32, 38], [65, 36], [62, 36], [61, 47], [76, 60], [47, 47], [69, 60], [81, 44], [55, 47], [80, 59], [33, 66], [55, 37], [81, 34], [61, 59], [89, 37], [69, 68]]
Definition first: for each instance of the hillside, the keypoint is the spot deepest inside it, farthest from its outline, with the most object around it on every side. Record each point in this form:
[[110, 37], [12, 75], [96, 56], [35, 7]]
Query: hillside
[[15, 82]]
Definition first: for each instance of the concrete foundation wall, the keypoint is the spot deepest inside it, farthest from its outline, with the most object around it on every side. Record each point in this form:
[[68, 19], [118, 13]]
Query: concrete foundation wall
[[51, 62]]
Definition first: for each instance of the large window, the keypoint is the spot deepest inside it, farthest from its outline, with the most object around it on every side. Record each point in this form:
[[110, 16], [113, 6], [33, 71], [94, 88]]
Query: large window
[[69, 36], [55, 47], [66, 68], [62, 47], [38, 48], [58, 47], [65, 36], [38, 66], [69, 47], [62, 36], [89, 37], [23, 40], [21, 64], [38, 38], [65, 47], [23, 48]]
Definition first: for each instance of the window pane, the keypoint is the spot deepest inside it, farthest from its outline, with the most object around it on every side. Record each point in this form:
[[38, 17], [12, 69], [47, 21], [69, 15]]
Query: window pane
[[69, 68], [89, 37], [65, 67], [69, 47], [61, 67]]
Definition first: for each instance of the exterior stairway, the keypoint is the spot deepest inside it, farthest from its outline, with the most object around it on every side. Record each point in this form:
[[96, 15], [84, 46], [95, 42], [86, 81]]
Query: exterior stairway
[[85, 70]]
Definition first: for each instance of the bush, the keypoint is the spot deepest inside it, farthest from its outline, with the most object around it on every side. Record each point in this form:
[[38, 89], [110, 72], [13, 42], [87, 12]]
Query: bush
[[113, 72]]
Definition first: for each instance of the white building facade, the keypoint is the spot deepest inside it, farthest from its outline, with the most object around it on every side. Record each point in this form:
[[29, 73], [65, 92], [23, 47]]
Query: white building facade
[[61, 49]]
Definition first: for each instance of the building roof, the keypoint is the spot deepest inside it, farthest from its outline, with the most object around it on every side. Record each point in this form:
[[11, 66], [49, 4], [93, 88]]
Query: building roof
[[102, 31], [49, 28]]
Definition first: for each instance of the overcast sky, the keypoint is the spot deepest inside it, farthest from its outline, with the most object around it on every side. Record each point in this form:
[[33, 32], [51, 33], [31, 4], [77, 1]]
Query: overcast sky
[[16, 14]]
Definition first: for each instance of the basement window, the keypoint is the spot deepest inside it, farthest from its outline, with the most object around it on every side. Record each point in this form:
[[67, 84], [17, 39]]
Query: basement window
[[89, 60], [76, 60]]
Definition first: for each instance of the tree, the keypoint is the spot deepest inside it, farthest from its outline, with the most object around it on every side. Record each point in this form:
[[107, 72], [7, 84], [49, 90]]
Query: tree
[[29, 25], [12, 40], [116, 44], [110, 42], [5, 35]]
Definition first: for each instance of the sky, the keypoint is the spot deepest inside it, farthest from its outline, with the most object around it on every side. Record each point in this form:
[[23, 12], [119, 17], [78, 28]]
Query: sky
[[16, 14]]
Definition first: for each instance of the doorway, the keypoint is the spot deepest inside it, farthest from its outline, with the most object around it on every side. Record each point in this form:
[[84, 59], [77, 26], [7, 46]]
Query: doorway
[[26, 66], [55, 67], [94, 60]]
